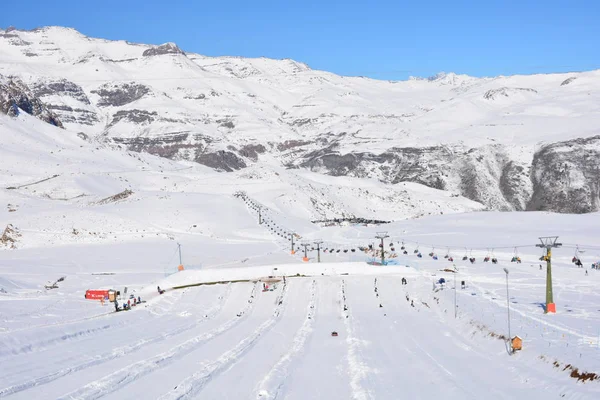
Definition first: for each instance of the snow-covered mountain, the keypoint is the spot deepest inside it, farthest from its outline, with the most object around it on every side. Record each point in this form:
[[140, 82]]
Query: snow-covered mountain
[[509, 143]]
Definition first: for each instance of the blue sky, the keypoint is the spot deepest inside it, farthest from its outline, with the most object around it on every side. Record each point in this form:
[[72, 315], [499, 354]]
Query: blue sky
[[383, 39]]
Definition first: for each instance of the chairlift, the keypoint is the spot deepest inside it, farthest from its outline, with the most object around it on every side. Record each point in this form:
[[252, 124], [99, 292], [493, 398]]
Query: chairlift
[[432, 253]]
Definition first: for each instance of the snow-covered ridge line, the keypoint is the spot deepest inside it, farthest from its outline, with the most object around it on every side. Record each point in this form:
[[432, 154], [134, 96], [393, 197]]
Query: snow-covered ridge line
[[495, 141]]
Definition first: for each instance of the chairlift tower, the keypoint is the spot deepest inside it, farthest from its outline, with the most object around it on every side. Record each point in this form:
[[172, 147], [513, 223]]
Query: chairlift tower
[[292, 239], [549, 242], [305, 245], [382, 236], [318, 242]]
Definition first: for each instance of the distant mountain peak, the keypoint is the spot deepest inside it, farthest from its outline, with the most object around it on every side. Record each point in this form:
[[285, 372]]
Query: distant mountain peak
[[166, 48], [445, 78]]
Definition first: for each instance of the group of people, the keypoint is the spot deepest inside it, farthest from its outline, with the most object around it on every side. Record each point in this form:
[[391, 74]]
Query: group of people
[[129, 304]]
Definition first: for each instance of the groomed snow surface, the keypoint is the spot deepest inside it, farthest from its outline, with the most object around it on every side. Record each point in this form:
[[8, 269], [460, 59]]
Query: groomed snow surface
[[234, 341]]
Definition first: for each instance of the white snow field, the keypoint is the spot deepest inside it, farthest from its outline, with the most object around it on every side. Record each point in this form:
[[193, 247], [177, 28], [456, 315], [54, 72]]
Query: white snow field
[[223, 337]]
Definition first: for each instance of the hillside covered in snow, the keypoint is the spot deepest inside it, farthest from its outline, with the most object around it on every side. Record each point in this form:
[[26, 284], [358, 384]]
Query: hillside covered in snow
[[507, 143]]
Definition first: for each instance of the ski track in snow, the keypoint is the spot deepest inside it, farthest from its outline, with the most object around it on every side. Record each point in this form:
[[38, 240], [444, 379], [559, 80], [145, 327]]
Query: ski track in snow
[[193, 384], [60, 339], [357, 369], [563, 329], [170, 299], [270, 387], [127, 375], [115, 353]]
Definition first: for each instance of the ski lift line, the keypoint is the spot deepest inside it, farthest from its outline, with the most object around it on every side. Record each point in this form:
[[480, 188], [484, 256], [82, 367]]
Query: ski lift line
[[487, 248], [166, 265], [580, 247]]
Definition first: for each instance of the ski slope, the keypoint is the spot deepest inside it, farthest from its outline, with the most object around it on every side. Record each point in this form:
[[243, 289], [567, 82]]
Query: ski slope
[[236, 341]]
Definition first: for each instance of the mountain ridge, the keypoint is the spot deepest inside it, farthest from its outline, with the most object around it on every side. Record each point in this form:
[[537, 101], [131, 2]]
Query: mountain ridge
[[474, 136]]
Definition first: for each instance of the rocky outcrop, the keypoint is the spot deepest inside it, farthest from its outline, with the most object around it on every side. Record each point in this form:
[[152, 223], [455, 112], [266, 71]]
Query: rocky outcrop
[[221, 160], [55, 93], [178, 145], [116, 95], [16, 96], [134, 116], [167, 48], [566, 177], [252, 151], [494, 94], [568, 80], [62, 87]]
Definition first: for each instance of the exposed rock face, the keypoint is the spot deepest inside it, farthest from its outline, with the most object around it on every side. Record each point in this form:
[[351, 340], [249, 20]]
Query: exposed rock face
[[221, 160], [15, 95], [54, 93], [568, 80], [252, 151], [173, 146], [116, 95], [167, 48], [566, 177], [134, 116], [61, 87], [288, 144], [494, 94]]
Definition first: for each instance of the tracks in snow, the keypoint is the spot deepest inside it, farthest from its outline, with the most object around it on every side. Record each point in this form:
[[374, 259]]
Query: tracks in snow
[[193, 384], [124, 376], [115, 353], [270, 387], [357, 369]]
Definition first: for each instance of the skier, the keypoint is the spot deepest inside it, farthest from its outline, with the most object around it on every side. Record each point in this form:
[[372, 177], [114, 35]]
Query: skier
[[116, 306], [540, 267], [139, 299], [586, 274], [128, 304]]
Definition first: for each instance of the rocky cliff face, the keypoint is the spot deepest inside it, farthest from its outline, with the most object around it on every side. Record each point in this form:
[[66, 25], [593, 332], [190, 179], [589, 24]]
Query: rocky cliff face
[[566, 177], [486, 175], [16, 96]]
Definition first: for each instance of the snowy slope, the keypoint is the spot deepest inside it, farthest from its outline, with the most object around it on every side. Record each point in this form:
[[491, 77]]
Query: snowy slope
[[478, 137]]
